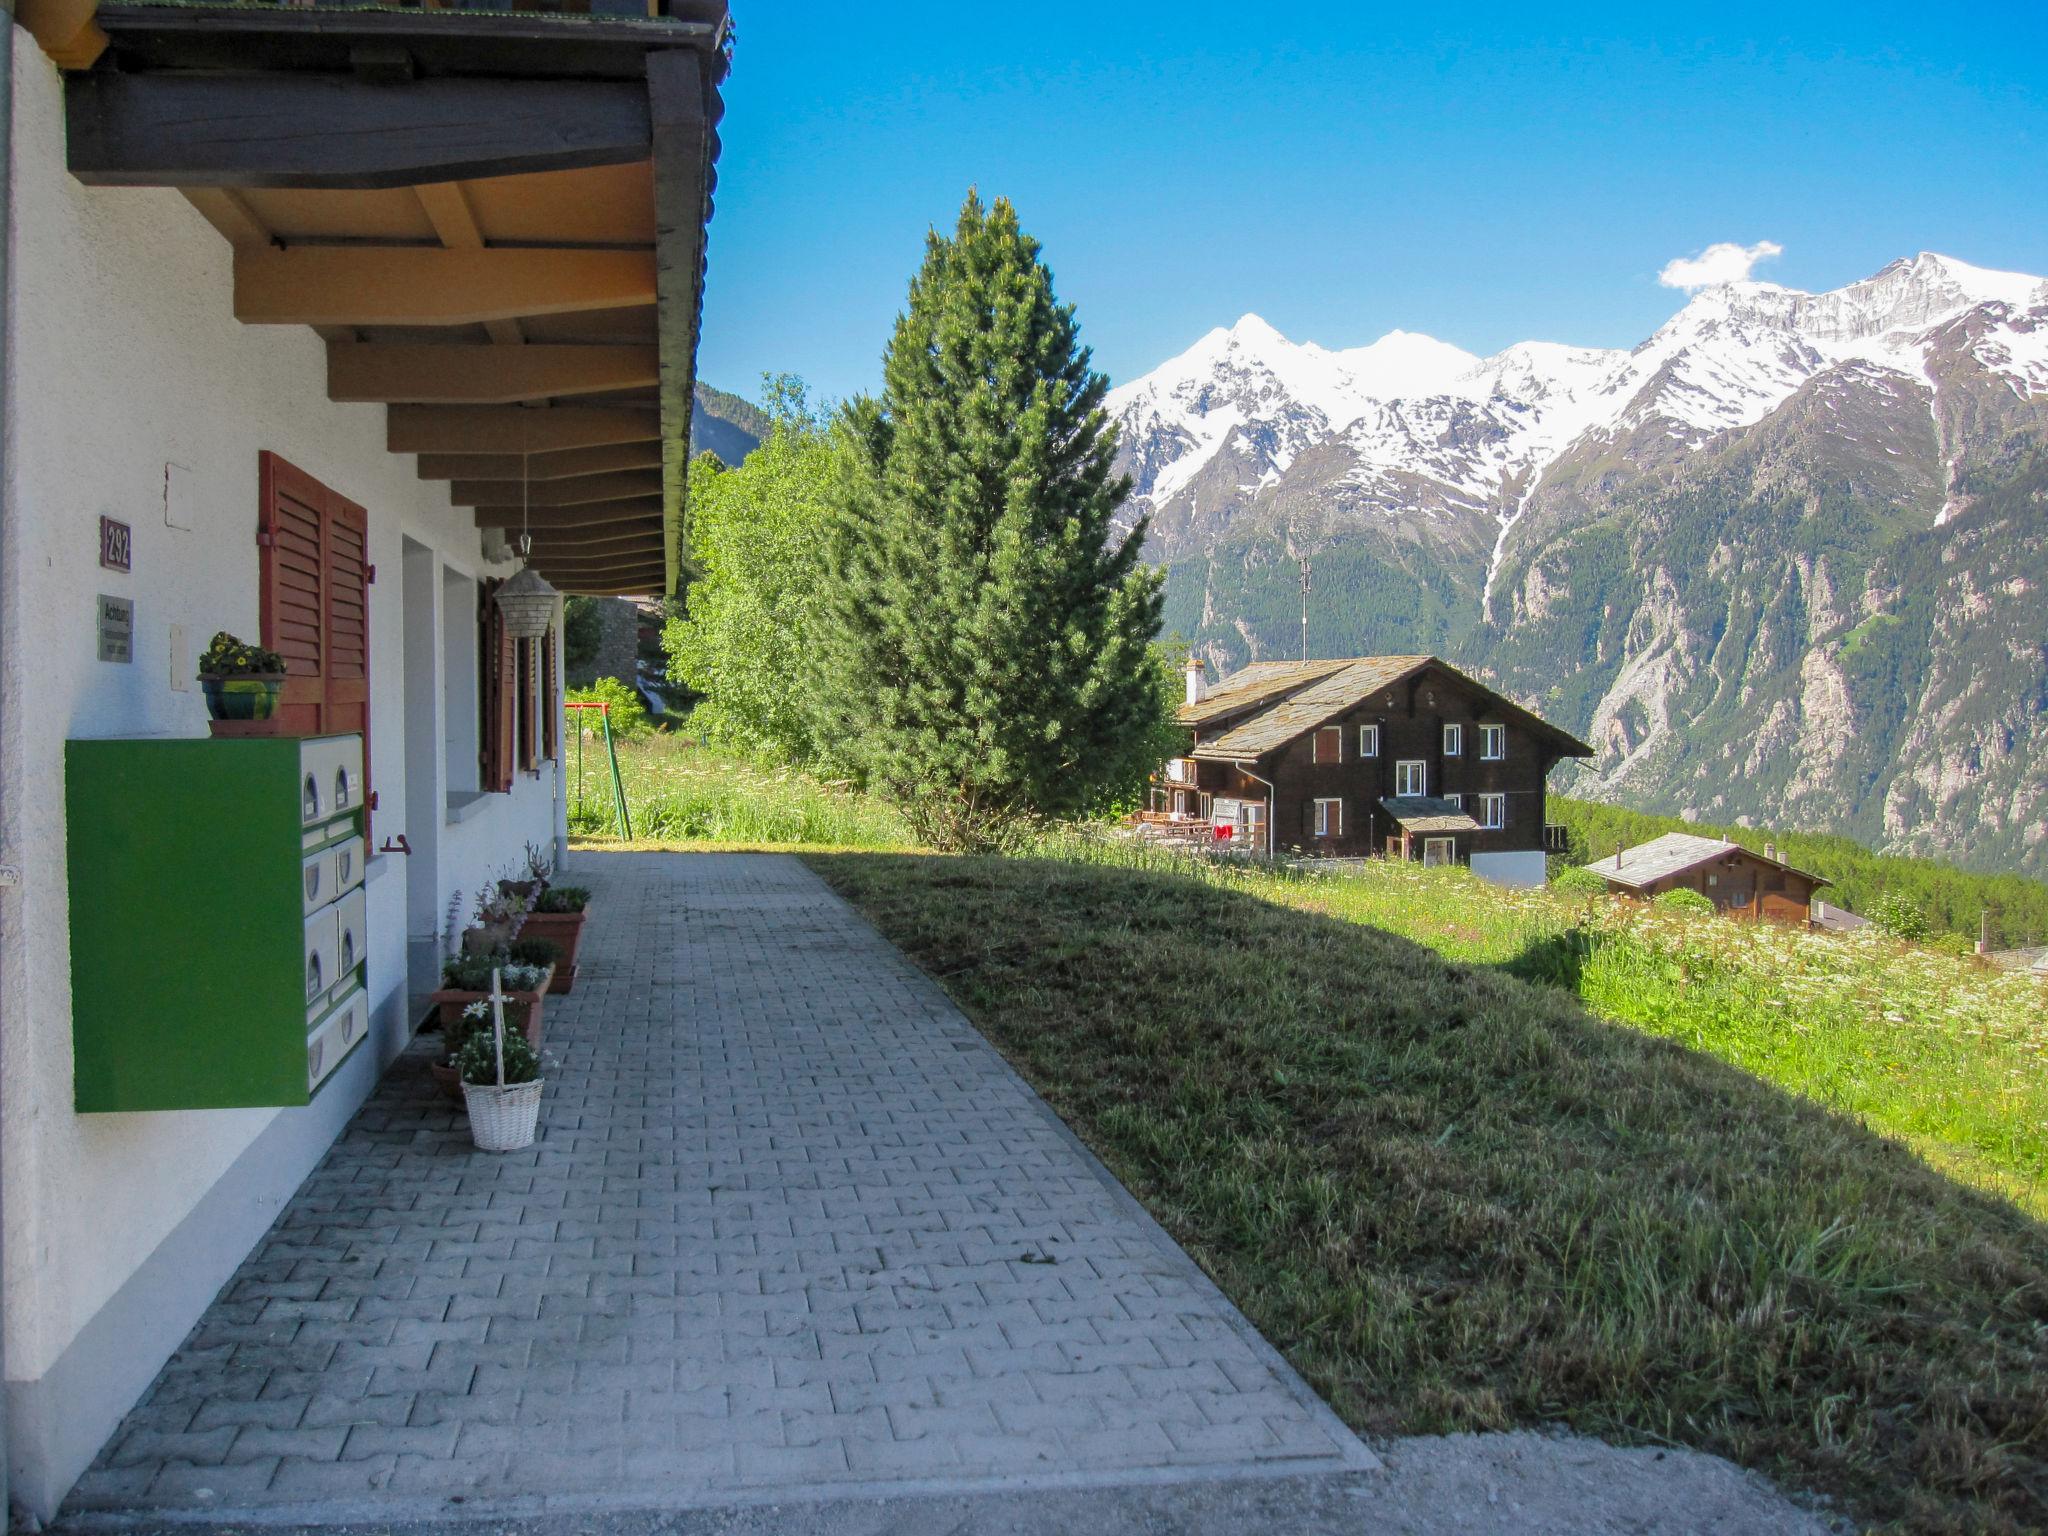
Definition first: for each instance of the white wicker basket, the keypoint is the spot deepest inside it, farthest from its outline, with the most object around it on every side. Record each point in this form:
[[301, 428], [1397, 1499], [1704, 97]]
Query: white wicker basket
[[503, 1119]]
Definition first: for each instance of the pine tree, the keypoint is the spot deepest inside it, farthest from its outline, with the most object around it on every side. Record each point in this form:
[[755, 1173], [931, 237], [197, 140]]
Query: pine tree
[[986, 636]]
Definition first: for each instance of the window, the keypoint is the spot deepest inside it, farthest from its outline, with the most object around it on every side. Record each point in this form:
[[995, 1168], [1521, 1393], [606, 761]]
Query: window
[[1327, 746], [1454, 740], [1411, 777], [497, 671], [1368, 741], [1180, 802], [1493, 812], [550, 709], [1329, 818], [1439, 851], [1208, 803], [1493, 743], [1457, 800], [525, 717]]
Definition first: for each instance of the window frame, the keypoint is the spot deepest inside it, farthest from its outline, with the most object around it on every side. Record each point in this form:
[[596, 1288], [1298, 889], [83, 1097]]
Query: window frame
[[1497, 736], [1401, 767], [1454, 739], [1450, 846], [1322, 821], [1458, 800], [1315, 746], [1490, 803], [1369, 732]]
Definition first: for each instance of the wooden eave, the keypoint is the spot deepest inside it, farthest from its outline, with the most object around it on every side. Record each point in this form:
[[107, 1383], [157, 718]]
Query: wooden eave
[[494, 220]]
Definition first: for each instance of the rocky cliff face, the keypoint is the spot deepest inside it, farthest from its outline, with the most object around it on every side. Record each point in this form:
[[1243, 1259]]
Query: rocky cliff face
[[1784, 561]]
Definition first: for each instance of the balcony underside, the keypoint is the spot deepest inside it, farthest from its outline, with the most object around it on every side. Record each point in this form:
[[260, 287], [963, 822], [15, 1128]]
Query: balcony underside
[[495, 221]]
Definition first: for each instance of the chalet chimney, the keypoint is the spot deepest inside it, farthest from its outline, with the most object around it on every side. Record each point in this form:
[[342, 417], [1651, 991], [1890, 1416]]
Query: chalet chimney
[[1771, 849], [1198, 680]]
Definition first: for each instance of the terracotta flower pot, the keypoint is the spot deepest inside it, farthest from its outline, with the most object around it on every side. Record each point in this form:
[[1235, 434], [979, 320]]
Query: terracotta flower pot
[[565, 931], [447, 1079], [448, 1005]]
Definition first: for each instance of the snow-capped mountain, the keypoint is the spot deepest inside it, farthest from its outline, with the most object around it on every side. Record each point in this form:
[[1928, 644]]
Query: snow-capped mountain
[[1786, 557], [1436, 431]]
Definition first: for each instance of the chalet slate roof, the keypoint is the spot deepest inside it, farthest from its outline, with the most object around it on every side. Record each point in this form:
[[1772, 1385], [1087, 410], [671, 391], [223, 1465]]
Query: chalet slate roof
[[1346, 683], [1673, 854], [1254, 685], [1299, 696], [1428, 813]]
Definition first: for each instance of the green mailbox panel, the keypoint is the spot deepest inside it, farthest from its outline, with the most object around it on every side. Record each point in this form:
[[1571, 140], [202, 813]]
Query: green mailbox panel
[[218, 935]]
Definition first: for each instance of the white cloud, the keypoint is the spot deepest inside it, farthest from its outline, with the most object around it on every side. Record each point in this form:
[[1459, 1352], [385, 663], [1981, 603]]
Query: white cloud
[[1725, 262]]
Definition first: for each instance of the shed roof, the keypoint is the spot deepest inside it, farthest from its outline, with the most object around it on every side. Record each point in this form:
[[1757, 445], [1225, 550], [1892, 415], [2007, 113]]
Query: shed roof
[[1293, 698], [1676, 852], [1428, 813]]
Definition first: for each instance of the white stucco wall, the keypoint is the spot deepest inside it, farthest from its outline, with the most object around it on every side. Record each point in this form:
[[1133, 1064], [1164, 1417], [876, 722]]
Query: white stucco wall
[[125, 357], [1523, 869]]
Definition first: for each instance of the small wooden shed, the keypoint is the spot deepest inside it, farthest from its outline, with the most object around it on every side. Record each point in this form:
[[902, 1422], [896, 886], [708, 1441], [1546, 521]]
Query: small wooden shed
[[1739, 881]]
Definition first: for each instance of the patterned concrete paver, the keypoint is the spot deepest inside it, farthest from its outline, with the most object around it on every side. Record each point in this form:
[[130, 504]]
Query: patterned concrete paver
[[791, 1224]]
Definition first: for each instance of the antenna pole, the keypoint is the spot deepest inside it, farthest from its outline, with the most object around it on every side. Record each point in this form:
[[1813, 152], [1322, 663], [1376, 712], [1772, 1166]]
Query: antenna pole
[[1305, 586]]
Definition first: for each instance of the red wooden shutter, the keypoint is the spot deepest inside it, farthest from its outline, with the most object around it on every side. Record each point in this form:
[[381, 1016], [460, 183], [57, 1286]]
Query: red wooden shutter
[[315, 602], [527, 721], [550, 711], [499, 678]]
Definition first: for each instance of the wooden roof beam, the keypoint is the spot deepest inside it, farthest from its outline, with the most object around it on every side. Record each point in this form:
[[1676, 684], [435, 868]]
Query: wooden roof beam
[[202, 129], [681, 111], [373, 285], [426, 429], [540, 466], [574, 492], [640, 509], [430, 374]]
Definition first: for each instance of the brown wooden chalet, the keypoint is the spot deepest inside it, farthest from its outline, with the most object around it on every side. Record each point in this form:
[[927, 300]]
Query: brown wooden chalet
[[1403, 756], [493, 215], [1738, 880]]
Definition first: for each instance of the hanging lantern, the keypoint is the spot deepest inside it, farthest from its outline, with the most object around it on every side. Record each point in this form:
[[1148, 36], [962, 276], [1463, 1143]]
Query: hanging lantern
[[527, 603], [525, 600]]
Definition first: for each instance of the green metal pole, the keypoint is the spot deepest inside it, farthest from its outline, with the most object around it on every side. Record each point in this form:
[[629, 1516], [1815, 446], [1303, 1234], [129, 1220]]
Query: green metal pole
[[579, 760], [618, 784]]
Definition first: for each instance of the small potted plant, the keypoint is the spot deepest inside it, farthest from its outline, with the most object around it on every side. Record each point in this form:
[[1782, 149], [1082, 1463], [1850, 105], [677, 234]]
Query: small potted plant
[[494, 921], [558, 916], [241, 683], [466, 979], [501, 1083], [454, 1036]]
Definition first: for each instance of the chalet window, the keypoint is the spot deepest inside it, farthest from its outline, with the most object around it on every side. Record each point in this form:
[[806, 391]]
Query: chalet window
[[1493, 812], [1439, 851], [550, 711], [1493, 743], [1368, 741], [1180, 802], [1329, 818], [1457, 800], [526, 718], [314, 603], [1327, 745], [1207, 802], [1411, 777], [1454, 740]]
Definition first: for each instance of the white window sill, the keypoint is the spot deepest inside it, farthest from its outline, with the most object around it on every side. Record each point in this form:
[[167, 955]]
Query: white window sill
[[463, 804]]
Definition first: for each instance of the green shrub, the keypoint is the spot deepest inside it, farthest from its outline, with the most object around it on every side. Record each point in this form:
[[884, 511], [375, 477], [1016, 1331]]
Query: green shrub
[[1684, 901], [477, 1017], [1899, 917], [629, 715], [478, 1062], [563, 898], [536, 952], [1578, 882], [1961, 945]]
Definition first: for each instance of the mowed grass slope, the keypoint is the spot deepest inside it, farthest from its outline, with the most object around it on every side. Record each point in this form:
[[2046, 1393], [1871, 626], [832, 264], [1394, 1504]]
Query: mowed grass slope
[[1459, 1200]]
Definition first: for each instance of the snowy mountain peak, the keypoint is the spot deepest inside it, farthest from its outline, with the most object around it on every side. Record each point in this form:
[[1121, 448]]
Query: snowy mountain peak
[[1430, 430]]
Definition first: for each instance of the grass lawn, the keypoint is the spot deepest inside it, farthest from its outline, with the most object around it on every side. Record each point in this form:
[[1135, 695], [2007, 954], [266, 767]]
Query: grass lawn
[[681, 795], [1476, 1160]]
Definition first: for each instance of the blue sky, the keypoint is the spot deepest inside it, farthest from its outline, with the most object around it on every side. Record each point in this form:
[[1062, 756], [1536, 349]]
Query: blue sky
[[1486, 174]]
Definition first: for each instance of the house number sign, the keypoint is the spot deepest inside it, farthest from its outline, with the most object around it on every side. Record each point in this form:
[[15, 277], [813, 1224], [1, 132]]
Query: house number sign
[[117, 628], [115, 551]]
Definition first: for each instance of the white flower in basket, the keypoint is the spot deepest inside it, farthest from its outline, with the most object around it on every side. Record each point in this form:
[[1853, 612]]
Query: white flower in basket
[[501, 1082]]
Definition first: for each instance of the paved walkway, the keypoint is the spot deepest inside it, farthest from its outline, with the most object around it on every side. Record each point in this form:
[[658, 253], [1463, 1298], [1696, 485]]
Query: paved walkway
[[792, 1227]]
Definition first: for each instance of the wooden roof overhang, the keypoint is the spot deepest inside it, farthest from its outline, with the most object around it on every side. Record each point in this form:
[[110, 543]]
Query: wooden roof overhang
[[495, 221]]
